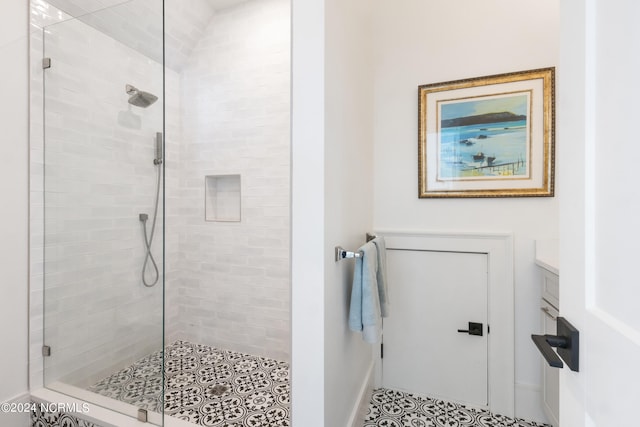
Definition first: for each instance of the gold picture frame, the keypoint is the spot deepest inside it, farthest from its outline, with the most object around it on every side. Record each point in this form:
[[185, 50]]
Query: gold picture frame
[[490, 136]]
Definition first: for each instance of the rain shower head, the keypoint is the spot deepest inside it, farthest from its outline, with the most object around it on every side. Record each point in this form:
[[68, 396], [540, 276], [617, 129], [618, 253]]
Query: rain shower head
[[140, 98]]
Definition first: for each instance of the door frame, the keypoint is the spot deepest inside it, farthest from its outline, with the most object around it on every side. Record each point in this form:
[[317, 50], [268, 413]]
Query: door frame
[[500, 281]]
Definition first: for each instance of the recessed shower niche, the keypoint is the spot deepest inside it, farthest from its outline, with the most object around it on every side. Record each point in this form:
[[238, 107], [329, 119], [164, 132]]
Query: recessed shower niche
[[222, 195]]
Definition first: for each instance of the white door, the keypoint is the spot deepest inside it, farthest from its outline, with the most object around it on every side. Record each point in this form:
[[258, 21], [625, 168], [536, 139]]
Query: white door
[[598, 94], [435, 294]]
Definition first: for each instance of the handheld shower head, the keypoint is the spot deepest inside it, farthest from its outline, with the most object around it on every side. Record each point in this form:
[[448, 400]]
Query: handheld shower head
[[140, 98], [159, 149]]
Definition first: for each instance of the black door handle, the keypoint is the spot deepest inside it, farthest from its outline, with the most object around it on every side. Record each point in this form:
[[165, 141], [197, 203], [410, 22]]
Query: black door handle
[[567, 342], [474, 329], [544, 345]]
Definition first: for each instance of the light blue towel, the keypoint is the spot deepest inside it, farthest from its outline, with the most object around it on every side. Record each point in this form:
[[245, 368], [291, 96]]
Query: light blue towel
[[381, 275], [364, 313]]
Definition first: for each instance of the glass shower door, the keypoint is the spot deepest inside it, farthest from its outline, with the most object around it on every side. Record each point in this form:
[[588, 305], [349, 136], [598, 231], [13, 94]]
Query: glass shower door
[[103, 207]]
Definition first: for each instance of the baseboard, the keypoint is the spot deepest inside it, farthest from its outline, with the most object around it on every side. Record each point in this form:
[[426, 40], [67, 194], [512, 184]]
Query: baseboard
[[18, 414], [360, 410], [529, 403]]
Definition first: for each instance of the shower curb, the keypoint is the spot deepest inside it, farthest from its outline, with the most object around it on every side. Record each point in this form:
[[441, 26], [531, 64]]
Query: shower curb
[[94, 415]]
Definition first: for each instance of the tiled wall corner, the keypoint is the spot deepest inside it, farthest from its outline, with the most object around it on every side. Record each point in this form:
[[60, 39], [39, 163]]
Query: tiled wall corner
[[235, 104]]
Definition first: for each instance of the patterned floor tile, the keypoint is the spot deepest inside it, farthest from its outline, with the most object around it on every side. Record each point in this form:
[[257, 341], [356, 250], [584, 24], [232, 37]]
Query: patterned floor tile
[[391, 408], [56, 419], [206, 386]]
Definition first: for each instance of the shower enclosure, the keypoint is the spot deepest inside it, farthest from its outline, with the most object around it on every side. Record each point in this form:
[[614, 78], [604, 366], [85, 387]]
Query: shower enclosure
[[160, 206], [102, 201]]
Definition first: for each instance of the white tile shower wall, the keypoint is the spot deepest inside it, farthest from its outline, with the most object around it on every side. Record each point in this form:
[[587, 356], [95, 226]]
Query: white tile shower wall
[[235, 100], [185, 24], [42, 14], [36, 224], [174, 222], [99, 317]]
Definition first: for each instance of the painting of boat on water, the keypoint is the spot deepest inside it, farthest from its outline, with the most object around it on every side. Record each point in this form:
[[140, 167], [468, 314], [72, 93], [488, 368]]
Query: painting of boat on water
[[490, 136], [484, 138]]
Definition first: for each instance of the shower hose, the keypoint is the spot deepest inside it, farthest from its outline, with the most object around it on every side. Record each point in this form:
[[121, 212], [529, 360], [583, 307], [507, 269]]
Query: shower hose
[[148, 238]]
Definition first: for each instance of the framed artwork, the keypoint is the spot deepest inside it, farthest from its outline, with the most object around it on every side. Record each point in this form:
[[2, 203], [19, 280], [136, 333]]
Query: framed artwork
[[488, 136]]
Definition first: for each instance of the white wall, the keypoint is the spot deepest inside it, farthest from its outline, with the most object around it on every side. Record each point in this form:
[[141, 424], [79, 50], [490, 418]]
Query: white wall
[[307, 214], [235, 120], [417, 42], [331, 205], [348, 195], [14, 213]]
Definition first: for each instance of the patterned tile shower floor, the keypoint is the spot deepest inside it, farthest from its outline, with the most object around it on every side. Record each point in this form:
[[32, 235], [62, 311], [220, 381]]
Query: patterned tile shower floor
[[390, 408], [206, 386]]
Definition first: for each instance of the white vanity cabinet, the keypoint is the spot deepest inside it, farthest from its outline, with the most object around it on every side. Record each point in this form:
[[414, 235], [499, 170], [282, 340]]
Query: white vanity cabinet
[[547, 260]]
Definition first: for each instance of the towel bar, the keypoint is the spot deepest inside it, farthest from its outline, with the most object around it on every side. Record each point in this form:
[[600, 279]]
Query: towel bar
[[342, 253]]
